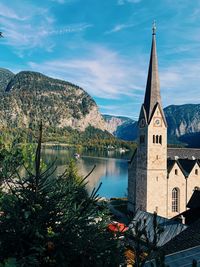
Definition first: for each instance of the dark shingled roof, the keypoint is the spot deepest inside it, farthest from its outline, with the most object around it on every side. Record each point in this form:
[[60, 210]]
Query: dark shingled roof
[[188, 238], [170, 228], [170, 164], [183, 153], [186, 165], [194, 201]]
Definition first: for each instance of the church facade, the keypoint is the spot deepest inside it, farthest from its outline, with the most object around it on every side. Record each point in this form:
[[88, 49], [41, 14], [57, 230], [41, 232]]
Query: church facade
[[160, 179]]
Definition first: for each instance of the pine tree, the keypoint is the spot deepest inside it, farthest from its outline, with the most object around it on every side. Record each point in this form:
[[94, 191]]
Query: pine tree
[[48, 221]]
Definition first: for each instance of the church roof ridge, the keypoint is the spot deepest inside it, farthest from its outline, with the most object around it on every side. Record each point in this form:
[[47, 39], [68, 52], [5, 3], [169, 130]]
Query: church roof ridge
[[183, 153], [183, 148]]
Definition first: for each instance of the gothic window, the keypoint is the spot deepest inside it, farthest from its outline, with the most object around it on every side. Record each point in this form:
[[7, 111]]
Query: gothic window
[[176, 171], [157, 137], [196, 172], [175, 200], [142, 139]]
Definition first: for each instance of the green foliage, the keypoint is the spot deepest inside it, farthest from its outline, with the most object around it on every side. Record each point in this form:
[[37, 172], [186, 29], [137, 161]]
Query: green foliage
[[91, 138], [5, 77], [10, 161], [48, 221]]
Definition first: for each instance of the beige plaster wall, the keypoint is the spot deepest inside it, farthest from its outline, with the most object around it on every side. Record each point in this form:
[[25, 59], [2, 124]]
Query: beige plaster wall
[[178, 181]]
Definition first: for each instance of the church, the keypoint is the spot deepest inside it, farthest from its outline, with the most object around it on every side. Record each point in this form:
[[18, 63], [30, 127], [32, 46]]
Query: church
[[160, 179]]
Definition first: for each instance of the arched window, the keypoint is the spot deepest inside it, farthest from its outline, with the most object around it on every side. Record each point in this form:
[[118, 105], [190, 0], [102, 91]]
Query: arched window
[[176, 172], [157, 137], [154, 139], [160, 139], [175, 200], [196, 172]]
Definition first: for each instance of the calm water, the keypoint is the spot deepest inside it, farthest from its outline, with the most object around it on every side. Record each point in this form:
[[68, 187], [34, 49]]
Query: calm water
[[111, 171]]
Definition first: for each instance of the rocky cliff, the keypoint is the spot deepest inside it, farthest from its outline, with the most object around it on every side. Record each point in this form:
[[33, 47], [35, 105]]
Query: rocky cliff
[[30, 96], [183, 119], [121, 127], [183, 125]]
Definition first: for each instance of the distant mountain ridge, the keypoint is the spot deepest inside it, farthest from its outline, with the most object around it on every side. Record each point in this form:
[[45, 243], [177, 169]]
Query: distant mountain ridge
[[121, 127], [183, 119], [183, 125]]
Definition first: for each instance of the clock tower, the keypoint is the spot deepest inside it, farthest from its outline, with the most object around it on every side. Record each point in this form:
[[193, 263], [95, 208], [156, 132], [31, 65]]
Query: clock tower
[[148, 167]]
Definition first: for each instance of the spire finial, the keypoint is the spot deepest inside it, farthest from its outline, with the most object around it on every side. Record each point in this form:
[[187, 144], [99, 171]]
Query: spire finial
[[154, 27]]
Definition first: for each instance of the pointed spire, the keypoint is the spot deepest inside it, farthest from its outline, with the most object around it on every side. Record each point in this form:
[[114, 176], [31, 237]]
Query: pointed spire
[[152, 95]]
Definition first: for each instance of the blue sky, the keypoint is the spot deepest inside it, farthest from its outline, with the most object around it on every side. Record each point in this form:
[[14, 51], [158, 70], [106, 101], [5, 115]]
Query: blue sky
[[104, 46]]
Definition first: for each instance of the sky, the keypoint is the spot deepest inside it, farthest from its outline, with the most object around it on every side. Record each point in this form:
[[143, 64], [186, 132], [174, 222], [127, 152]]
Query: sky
[[104, 47]]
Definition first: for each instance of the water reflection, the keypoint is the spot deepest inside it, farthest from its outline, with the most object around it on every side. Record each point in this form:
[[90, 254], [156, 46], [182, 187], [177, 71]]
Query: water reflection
[[111, 172]]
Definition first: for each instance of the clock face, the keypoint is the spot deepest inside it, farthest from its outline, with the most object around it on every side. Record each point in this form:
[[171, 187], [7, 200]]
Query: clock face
[[142, 123], [157, 122]]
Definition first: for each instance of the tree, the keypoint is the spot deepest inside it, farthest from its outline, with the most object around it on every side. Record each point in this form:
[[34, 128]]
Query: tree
[[143, 245], [47, 221]]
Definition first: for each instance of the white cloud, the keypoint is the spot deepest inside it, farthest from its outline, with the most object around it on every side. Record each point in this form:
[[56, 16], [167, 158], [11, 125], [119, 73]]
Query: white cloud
[[120, 27], [103, 74], [7, 12], [36, 30], [107, 75], [126, 110], [180, 83], [70, 29]]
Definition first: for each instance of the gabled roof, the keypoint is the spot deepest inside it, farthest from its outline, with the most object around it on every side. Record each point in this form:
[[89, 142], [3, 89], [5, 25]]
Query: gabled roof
[[186, 165], [171, 163], [170, 228], [181, 258], [161, 111], [194, 202], [188, 238], [142, 114]]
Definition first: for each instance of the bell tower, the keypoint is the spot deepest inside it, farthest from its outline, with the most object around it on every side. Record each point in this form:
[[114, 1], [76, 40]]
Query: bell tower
[[147, 185]]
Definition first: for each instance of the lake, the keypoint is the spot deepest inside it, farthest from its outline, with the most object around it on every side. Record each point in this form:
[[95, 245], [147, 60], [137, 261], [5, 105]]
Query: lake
[[111, 169]]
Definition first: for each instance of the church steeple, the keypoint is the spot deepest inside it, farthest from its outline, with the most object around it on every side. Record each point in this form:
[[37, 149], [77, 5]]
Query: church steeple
[[152, 94]]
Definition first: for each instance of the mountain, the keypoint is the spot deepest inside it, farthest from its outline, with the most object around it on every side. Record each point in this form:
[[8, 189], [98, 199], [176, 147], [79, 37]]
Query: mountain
[[183, 119], [5, 77], [183, 125], [121, 127], [29, 97]]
